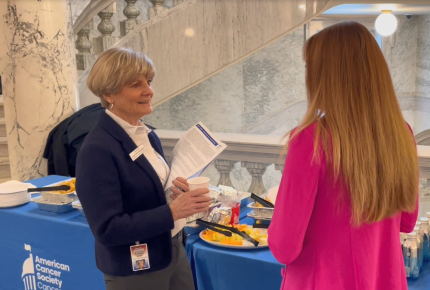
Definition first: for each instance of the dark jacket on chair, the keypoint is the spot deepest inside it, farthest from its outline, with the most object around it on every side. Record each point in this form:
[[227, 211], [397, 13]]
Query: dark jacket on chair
[[123, 200], [65, 140]]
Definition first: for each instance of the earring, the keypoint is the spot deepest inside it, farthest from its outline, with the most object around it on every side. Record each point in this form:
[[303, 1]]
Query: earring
[[111, 107]]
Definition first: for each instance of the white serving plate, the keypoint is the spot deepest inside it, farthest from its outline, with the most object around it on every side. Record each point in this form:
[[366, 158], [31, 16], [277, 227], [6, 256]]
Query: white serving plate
[[14, 193], [246, 245], [14, 203], [14, 186]]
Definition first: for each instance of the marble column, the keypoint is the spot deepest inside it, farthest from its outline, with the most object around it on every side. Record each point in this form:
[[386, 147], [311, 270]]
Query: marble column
[[38, 68]]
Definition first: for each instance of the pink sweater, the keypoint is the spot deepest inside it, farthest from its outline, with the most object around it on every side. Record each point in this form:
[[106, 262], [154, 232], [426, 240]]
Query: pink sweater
[[313, 235]]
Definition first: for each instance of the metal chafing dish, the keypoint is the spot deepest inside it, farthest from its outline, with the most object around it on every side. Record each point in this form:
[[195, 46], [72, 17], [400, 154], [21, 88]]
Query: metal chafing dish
[[57, 197], [57, 207], [264, 212]]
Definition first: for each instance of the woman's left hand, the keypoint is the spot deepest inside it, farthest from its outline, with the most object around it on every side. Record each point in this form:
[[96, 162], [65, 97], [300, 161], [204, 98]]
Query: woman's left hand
[[180, 185]]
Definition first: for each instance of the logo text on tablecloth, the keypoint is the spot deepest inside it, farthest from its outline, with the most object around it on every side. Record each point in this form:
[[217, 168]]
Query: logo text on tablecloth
[[47, 272]]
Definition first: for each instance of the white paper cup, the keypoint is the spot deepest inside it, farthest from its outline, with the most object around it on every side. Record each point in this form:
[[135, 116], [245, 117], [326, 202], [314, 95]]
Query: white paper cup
[[198, 182]]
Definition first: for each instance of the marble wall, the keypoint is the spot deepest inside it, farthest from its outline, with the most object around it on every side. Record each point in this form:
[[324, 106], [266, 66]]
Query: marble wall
[[237, 98], [403, 55], [37, 64], [423, 57], [408, 56]]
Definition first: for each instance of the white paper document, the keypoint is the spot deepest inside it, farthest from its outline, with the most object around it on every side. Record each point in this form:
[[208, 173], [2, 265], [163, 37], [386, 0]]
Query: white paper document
[[193, 153]]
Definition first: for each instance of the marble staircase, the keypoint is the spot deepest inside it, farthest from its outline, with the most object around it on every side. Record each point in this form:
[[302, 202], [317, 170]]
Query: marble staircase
[[191, 41]]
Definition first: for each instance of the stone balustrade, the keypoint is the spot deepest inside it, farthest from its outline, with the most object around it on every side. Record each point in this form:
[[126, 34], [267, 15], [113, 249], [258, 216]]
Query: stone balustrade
[[254, 153], [106, 29], [131, 12], [88, 49]]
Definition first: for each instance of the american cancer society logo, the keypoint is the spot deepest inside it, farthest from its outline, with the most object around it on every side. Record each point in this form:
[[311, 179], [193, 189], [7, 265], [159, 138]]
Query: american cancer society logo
[[47, 272]]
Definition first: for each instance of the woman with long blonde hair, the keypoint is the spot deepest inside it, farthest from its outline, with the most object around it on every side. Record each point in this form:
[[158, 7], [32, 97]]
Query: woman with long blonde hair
[[350, 183]]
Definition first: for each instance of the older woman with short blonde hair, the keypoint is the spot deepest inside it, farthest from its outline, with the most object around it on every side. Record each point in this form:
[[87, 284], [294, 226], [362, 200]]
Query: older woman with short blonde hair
[[120, 179]]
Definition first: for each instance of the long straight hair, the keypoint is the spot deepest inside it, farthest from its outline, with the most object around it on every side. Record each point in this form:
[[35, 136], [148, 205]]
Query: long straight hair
[[365, 139]]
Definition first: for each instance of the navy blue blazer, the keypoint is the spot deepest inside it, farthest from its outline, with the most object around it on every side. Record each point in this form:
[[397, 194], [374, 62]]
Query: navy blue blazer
[[123, 200]]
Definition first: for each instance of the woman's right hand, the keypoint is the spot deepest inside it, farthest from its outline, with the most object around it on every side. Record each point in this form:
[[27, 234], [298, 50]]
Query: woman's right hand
[[189, 203]]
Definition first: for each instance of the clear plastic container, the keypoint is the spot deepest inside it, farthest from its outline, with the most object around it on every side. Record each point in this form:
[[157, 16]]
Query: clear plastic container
[[426, 236], [420, 240], [410, 256]]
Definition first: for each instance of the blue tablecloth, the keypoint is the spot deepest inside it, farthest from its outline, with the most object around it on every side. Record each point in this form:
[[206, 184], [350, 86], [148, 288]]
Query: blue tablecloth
[[193, 238], [60, 247], [226, 269]]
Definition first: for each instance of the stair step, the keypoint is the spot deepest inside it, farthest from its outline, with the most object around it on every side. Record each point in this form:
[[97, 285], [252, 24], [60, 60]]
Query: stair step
[[4, 151], [5, 171], [4, 161], [2, 121]]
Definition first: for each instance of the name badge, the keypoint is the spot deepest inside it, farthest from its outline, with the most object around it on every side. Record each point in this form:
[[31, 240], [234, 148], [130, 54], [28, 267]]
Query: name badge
[[139, 257], [137, 152]]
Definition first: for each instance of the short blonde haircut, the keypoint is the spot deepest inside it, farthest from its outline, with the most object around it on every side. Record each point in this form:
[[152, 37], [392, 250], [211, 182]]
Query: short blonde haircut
[[117, 67]]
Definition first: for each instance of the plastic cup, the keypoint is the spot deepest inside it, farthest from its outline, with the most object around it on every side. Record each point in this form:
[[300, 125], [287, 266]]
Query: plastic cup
[[198, 182]]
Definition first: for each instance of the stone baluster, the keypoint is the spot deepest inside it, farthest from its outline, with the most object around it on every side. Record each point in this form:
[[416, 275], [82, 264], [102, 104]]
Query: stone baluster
[[131, 12], [257, 171], [84, 58], [280, 167], [157, 9], [106, 28], [224, 168]]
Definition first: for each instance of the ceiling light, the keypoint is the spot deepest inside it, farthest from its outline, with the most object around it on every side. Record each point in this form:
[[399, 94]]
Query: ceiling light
[[386, 23]]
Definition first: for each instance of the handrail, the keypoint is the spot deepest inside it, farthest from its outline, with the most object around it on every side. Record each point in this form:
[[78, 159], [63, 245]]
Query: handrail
[[93, 8], [240, 147]]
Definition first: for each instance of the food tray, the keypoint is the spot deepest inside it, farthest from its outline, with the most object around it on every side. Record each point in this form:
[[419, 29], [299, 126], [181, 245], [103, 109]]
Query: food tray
[[59, 197], [52, 206], [252, 214], [77, 205], [262, 212]]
